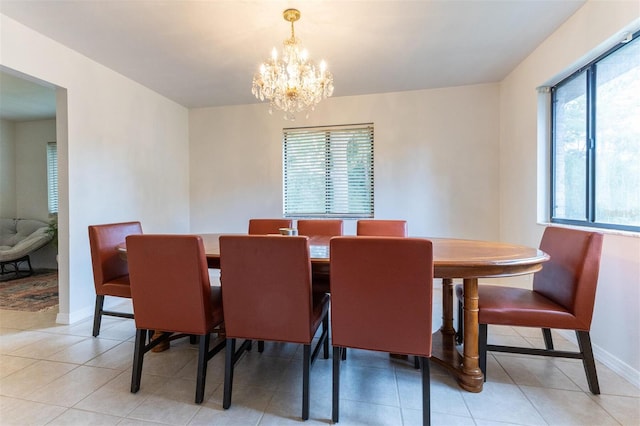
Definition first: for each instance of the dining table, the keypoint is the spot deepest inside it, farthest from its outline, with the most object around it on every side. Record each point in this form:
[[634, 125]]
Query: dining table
[[453, 259]]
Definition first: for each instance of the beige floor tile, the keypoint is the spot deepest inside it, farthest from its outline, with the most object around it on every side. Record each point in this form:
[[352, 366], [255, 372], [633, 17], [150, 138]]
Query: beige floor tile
[[540, 372], [44, 348], [163, 410], [446, 395], [247, 406], [268, 387], [362, 413], [624, 409], [14, 339], [84, 350], [254, 370], [370, 385], [79, 417], [414, 417], [115, 398], [33, 377], [504, 403], [567, 407], [71, 388], [10, 364], [286, 408], [610, 382], [495, 372], [19, 412], [118, 357]]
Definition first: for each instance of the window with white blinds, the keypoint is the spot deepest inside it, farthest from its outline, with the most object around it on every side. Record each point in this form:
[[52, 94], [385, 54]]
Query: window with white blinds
[[328, 171], [52, 176]]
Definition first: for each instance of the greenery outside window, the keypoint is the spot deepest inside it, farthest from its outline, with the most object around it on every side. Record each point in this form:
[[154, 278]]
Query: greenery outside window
[[328, 171], [596, 142]]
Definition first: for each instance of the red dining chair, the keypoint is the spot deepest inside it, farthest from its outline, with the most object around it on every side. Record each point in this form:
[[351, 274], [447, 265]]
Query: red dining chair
[[268, 226], [284, 310], [563, 297], [110, 270], [381, 300], [320, 227], [382, 228], [173, 299]]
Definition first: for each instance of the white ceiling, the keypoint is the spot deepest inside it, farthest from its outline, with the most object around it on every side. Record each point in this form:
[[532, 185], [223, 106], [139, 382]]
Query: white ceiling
[[204, 53]]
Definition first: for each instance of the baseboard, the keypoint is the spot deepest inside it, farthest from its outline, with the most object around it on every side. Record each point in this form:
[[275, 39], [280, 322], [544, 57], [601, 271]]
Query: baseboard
[[74, 317], [618, 366]]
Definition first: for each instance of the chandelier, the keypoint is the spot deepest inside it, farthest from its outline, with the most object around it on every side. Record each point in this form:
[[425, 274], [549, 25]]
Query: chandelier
[[292, 82]]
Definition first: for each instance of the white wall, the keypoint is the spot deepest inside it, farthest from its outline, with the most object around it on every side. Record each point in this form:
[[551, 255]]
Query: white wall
[[31, 180], [7, 169], [122, 151], [31, 168], [523, 184], [435, 153]]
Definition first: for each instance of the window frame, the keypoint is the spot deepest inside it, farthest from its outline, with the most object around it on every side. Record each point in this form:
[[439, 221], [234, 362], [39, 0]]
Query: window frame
[[590, 70], [330, 194]]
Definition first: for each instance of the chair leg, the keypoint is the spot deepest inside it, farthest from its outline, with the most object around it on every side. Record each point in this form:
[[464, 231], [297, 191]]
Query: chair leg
[[335, 407], [228, 372], [482, 349], [426, 391], [325, 328], [138, 357], [460, 330], [29, 264], [584, 343], [343, 354], [416, 362], [202, 367], [548, 340], [306, 367], [97, 315], [260, 346]]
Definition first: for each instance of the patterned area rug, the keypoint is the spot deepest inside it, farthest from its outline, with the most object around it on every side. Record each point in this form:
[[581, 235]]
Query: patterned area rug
[[36, 293]]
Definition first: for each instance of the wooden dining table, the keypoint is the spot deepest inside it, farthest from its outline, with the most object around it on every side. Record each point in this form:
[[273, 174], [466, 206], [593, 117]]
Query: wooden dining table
[[468, 260]]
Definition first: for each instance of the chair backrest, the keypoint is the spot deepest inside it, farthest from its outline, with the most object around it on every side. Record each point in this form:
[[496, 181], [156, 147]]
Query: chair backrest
[[382, 228], [266, 282], [107, 263], [381, 294], [268, 226], [570, 277], [170, 285], [317, 227]]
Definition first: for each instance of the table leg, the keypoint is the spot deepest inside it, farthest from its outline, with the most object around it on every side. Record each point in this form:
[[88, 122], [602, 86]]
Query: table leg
[[447, 307], [472, 378]]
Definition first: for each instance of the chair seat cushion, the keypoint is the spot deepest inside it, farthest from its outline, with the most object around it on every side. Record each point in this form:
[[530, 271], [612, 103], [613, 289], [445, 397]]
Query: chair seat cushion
[[520, 307], [119, 287]]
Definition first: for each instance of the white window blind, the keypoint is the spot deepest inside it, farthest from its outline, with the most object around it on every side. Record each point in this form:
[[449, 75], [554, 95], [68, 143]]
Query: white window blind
[[52, 176], [328, 171]]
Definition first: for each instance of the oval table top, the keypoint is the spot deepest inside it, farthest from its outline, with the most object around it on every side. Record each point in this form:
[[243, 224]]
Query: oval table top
[[452, 257]]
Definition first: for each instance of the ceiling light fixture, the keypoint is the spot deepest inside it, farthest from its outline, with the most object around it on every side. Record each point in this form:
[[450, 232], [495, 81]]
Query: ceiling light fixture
[[292, 82]]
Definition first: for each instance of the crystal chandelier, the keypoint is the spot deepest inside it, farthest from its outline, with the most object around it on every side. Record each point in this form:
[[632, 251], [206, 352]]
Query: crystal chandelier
[[292, 82]]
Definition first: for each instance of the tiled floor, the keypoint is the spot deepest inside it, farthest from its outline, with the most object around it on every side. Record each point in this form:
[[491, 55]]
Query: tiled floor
[[60, 375]]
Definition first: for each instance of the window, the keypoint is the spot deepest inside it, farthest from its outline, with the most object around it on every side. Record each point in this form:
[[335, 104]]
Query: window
[[52, 176], [596, 142], [328, 171]]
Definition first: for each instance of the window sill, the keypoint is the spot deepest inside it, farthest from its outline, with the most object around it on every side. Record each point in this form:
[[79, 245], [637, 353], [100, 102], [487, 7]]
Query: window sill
[[605, 231]]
